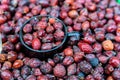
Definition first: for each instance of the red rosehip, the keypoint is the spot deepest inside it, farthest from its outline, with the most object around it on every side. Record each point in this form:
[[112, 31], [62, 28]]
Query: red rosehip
[[36, 44], [85, 47], [59, 70], [68, 52], [114, 61]]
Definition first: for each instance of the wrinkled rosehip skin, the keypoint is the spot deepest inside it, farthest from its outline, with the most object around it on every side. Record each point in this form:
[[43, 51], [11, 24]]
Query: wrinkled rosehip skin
[[114, 61], [36, 44], [85, 47]]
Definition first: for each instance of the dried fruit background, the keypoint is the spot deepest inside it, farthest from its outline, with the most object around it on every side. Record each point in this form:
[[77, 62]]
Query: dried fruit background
[[96, 56]]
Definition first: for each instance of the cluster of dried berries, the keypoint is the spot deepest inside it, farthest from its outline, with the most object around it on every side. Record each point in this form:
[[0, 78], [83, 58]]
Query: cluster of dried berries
[[95, 57], [43, 34]]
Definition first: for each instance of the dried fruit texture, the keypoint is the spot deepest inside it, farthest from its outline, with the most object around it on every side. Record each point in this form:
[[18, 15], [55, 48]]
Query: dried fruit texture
[[2, 58], [85, 67], [116, 74], [107, 45], [78, 56], [73, 13], [7, 65], [36, 44], [6, 75], [44, 33], [18, 64], [12, 56], [71, 70], [95, 57], [114, 61], [68, 52], [46, 68], [85, 47], [68, 60], [59, 70], [34, 62]]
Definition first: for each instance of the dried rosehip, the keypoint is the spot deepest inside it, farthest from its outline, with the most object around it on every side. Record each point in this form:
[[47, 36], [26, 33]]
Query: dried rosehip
[[47, 38], [71, 70], [36, 44], [63, 14], [85, 26], [18, 46], [37, 72], [25, 71], [46, 46], [7, 65], [85, 47], [90, 6], [34, 62], [46, 68], [18, 64], [116, 74], [3, 58], [59, 70], [12, 56], [28, 39], [58, 25], [107, 45], [50, 29], [73, 14], [27, 28], [6, 75], [68, 52], [117, 38], [97, 47], [77, 27], [68, 60], [109, 69], [78, 56], [114, 61], [103, 59], [41, 25], [16, 73], [85, 67], [51, 62], [21, 55], [2, 19], [51, 20], [68, 21]]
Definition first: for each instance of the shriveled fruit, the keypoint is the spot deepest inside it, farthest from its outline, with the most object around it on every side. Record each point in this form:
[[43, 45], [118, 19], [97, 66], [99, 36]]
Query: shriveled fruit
[[107, 45]]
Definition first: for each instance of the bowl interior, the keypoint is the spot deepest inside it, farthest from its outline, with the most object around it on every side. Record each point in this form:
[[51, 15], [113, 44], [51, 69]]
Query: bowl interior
[[42, 51]]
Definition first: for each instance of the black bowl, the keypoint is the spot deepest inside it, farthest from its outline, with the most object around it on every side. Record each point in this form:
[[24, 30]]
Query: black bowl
[[45, 53]]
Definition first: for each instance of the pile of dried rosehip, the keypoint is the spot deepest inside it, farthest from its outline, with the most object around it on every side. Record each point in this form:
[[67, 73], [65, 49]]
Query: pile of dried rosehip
[[96, 56], [43, 34]]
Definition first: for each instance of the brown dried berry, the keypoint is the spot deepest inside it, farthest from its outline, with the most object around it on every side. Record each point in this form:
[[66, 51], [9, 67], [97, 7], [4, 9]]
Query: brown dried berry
[[107, 45], [18, 64], [12, 56], [3, 58]]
